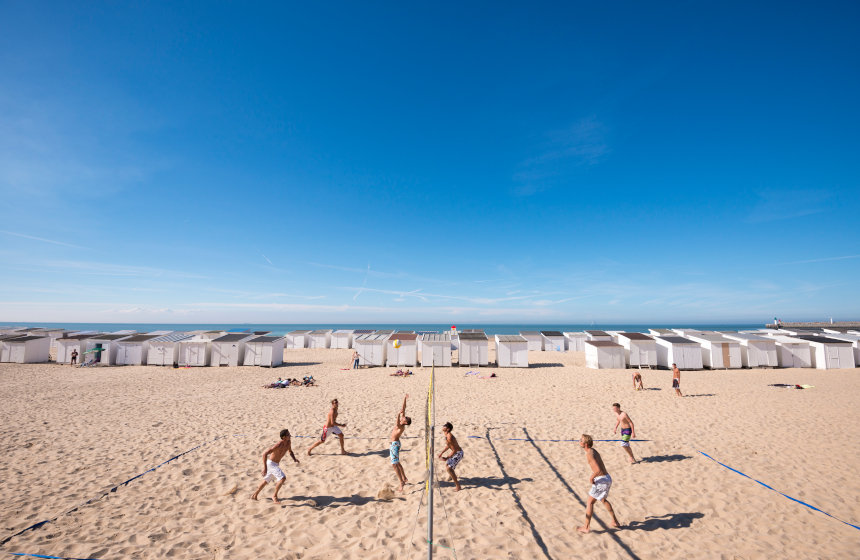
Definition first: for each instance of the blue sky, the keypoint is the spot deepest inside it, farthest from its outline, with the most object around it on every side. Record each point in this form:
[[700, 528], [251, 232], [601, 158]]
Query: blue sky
[[337, 162]]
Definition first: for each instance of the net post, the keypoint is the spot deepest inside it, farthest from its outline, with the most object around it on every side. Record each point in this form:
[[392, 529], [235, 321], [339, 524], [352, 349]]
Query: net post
[[431, 413]]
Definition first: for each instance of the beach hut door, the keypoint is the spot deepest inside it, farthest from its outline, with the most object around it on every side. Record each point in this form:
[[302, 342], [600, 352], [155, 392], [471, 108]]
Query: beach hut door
[[16, 353], [832, 356], [438, 355]]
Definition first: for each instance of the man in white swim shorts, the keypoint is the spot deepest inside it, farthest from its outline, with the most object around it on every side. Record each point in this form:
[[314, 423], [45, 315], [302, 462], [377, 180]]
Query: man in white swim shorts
[[600, 480], [331, 427], [271, 468]]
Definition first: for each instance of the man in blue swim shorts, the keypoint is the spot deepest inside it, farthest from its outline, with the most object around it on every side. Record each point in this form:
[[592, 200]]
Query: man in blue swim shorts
[[628, 430], [400, 423]]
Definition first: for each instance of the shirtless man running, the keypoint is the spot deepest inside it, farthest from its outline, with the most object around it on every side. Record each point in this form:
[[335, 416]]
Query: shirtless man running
[[331, 426], [628, 430], [600, 480], [400, 423], [452, 460], [271, 469], [676, 380]]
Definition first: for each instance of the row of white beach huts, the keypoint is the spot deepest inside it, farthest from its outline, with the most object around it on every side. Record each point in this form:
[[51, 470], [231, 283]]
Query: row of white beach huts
[[688, 348]]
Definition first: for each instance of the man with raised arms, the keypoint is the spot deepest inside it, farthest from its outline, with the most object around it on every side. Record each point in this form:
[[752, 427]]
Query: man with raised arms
[[331, 426], [452, 460], [628, 430], [600, 480], [400, 423], [271, 469]]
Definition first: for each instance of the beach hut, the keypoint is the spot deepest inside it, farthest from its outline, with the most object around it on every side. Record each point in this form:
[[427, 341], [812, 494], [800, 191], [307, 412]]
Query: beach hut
[[662, 332], [436, 349], [598, 335], [792, 352], [855, 344], [575, 341], [229, 350], [296, 339], [371, 349], [756, 351], [164, 350], [830, 353], [474, 349], [534, 338], [640, 350], [687, 354], [512, 350], [604, 354], [67, 345], [319, 339], [102, 348], [718, 352], [133, 351], [195, 352], [27, 349], [342, 338], [266, 351], [406, 354], [552, 341]]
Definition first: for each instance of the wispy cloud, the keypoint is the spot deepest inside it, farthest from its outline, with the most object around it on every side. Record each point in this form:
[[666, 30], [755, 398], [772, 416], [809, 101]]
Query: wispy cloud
[[119, 270], [43, 240], [363, 284], [825, 259], [266, 258], [774, 205]]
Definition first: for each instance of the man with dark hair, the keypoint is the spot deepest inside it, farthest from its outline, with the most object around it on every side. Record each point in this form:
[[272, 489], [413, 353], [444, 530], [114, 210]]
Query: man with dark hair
[[452, 460], [271, 469], [332, 426], [600, 480], [676, 380], [400, 423], [628, 430], [74, 359]]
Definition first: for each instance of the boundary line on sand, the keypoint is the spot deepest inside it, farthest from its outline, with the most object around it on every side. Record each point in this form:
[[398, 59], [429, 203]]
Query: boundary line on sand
[[777, 491], [47, 556]]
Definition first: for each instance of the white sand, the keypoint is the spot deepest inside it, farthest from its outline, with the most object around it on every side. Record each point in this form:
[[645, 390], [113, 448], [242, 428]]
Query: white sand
[[69, 434]]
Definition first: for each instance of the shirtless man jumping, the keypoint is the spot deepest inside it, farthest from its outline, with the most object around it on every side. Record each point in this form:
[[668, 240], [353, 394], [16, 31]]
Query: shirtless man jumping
[[400, 423], [628, 430], [271, 469], [331, 426], [676, 380], [452, 460], [600, 480]]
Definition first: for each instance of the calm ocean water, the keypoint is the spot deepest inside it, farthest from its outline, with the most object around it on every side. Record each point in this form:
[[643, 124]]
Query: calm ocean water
[[489, 328]]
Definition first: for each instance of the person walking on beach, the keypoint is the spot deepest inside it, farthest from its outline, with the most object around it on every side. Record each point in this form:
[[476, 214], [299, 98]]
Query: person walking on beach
[[600, 481], [355, 359], [637, 380], [74, 357], [676, 380], [271, 469], [400, 423], [331, 426], [628, 430], [452, 460]]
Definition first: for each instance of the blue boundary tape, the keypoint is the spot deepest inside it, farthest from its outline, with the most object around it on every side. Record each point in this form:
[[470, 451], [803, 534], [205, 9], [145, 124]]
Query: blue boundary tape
[[555, 440], [47, 556], [105, 493], [778, 492]]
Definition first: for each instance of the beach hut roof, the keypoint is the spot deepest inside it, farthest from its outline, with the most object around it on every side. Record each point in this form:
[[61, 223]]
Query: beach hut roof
[[677, 340], [141, 338], [529, 333], [82, 336], [110, 337], [261, 333], [822, 339], [299, 332], [363, 331], [212, 332], [635, 336], [238, 330], [473, 336], [404, 336], [173, 337], [603, 343], [265, 339], [25, 338], [233, 337], [385, 332], [511, 338], [598, 333], [710, 336], [749, 336], [344, 331], [436, 337], [321, 331], [551, 333]]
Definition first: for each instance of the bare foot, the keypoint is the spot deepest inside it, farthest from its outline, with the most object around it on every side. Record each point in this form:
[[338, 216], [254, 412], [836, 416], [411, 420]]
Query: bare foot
[[616, 525], [342, 452], [457, 489], [583, 529], [401, 488], [276, 500], [309, 452], [253, 496]]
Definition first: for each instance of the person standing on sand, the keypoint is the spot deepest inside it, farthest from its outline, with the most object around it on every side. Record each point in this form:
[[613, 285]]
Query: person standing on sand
[[332, 426], [452, 460], [600, 480], [676, 380], [637, 380], [271, 469], [628, 430], [74, 357], [400, 423], [355, 359]]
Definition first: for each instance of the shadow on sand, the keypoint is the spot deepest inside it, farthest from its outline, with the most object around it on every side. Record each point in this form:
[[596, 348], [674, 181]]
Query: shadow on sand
[[332, 501], [701, 395], [664, 458], [667, 521]]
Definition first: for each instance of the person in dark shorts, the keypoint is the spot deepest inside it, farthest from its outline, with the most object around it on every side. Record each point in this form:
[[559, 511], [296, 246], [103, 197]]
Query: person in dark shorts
[[676, 380], [452, 460]]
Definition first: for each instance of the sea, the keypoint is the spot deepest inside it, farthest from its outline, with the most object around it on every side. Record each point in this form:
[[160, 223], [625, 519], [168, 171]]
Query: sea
[[489, 328]]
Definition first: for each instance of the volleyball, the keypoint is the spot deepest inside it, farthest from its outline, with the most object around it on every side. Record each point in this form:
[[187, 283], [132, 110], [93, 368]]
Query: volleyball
[[397, 343]]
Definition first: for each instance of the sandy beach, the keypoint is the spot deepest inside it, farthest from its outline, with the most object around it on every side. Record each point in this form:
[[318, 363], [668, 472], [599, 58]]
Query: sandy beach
[[70, 434]]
